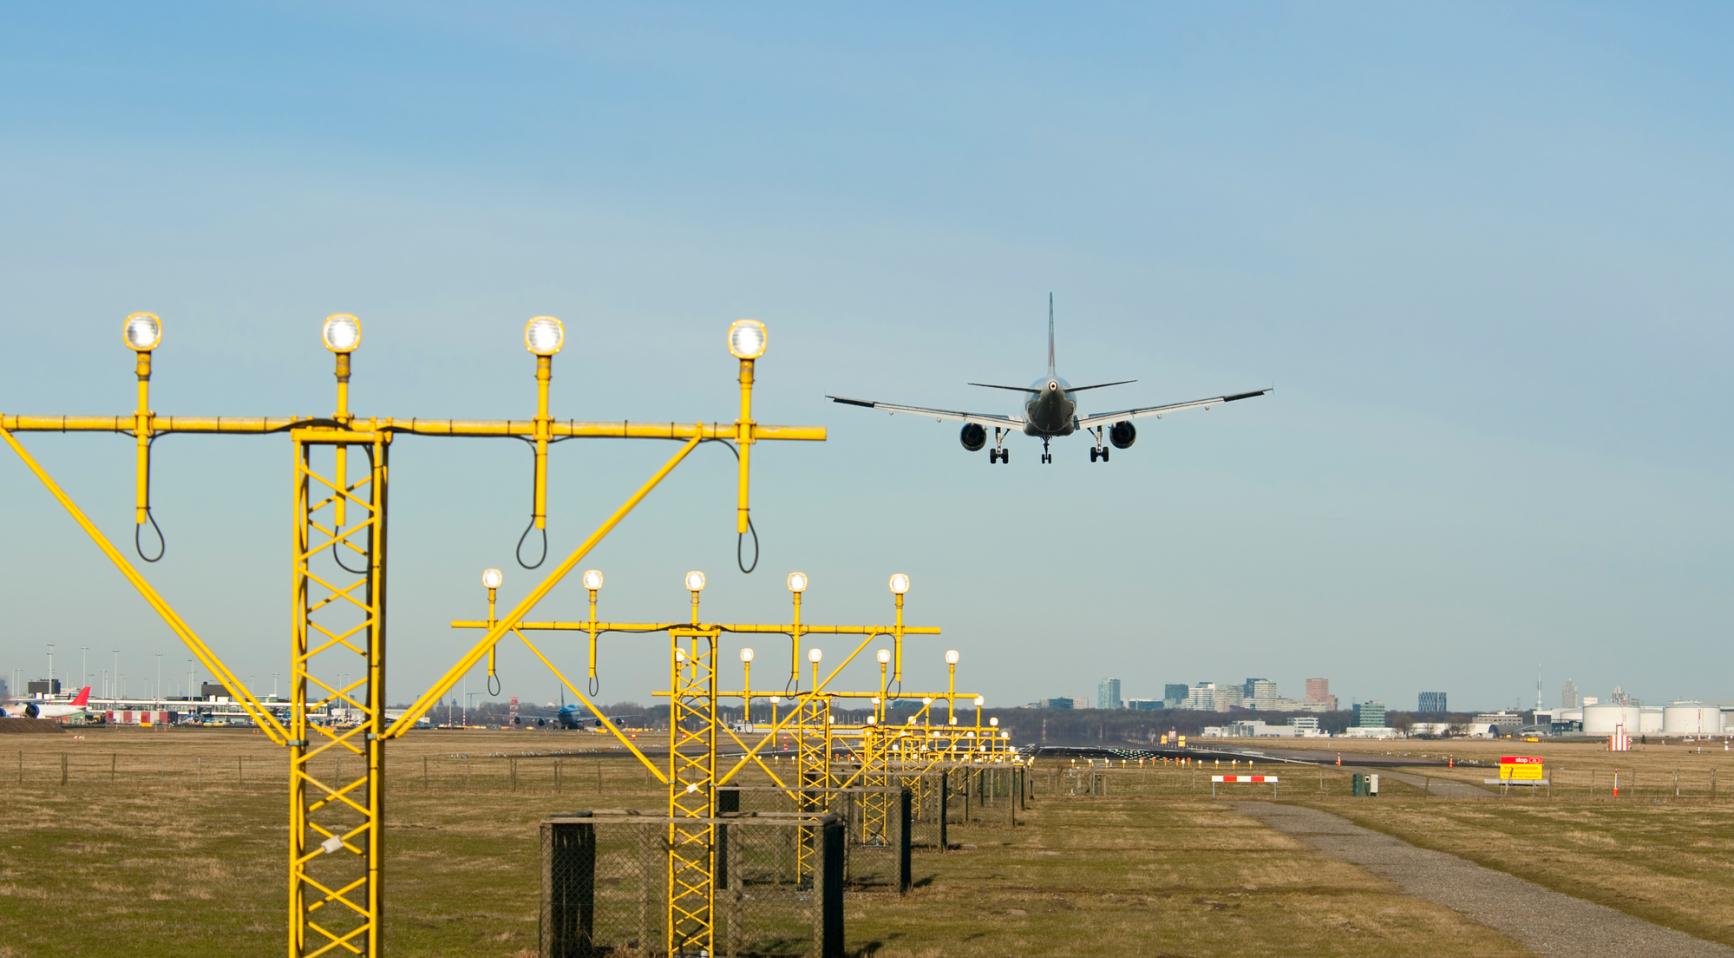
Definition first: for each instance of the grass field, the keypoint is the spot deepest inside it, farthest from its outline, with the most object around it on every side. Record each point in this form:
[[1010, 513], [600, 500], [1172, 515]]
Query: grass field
[[173, 843]]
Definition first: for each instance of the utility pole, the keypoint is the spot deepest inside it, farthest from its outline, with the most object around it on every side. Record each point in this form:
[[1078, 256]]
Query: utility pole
[[83, 665], [159, 687], [51, 667]]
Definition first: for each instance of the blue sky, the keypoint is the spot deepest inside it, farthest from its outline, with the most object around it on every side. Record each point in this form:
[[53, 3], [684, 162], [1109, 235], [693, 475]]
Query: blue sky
[[1481, 251]]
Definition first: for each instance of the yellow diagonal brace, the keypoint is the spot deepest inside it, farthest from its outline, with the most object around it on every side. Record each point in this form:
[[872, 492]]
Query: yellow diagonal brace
[[267, 722], [510, 620], [621, 736]]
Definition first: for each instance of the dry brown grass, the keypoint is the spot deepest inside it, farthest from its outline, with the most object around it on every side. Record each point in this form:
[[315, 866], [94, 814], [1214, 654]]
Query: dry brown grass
[[181, 852]]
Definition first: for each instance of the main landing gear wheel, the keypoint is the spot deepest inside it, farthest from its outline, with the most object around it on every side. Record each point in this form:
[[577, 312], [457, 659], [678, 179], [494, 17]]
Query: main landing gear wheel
[[998, 455], [1099, 452]]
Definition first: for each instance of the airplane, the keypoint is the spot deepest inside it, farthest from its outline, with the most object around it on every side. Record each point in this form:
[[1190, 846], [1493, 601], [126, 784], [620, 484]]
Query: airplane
[[45, 709], [1051, 411]]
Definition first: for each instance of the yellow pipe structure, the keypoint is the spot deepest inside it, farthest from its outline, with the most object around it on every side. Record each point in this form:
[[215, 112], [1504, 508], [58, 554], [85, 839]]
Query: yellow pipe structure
[[237, 690], [142, 432], [345, 915], [455, 428]]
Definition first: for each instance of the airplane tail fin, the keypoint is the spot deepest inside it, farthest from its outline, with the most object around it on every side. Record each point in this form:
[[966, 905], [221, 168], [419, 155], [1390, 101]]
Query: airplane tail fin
[[83, 696], [1050, 335]]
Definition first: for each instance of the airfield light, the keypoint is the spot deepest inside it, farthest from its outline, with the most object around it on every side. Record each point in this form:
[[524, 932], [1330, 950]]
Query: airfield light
[[899, 583], [746, 655], [884, 656], [492, 579], [142, 332], [695, 582], [993, 721], [341, 333], [747, 339], [950, 656], [592, 579], [814, 655], [544, 335], [776, 700], [980, 701], [928, 700], [680, 656], [872, 721], [797, 582]]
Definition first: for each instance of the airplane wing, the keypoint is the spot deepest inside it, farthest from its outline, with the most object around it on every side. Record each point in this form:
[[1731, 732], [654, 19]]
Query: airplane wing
[[983, 419], [1139, 412]]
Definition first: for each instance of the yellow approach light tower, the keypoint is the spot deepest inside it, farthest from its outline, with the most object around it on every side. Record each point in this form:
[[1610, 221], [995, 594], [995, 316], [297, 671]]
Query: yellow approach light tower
[[338, 575]]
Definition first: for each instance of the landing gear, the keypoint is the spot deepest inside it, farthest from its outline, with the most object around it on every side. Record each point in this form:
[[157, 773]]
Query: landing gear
[[999, 453], [1047, 456], [1099, 451]]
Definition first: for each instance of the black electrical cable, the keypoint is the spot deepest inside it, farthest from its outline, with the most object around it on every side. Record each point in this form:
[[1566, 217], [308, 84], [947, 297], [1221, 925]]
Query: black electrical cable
[[337, 538], [494, 685], [595, 686], [138, 541]]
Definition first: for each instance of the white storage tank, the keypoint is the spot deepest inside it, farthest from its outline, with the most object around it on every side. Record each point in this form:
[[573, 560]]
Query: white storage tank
[[1601, 719], [1691, 718], [1650, 720]]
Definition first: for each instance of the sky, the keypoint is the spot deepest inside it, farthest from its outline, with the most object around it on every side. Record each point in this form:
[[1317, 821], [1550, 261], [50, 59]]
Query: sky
[[1481, 251]]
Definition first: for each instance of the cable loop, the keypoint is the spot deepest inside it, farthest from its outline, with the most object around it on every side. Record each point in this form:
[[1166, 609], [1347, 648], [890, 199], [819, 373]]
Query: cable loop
[[595, 686], [520, 553], [494, 685], [138, 538]]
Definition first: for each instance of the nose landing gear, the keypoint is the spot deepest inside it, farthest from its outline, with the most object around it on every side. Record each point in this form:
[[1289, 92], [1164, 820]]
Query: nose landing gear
[[1047, 456]]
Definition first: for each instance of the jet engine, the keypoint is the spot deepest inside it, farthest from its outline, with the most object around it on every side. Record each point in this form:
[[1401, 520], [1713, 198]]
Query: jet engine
[[973, 437], [31, 710], [1122, 435]]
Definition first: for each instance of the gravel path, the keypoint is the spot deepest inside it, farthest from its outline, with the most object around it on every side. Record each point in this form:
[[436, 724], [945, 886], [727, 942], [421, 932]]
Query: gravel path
[[1545, 921]]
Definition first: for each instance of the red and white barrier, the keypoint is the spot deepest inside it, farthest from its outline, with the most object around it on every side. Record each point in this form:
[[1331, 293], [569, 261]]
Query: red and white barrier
[[1270, 780]]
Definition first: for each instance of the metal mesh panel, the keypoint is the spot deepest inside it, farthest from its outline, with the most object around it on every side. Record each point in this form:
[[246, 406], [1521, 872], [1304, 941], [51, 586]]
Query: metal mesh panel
[[604, 890]]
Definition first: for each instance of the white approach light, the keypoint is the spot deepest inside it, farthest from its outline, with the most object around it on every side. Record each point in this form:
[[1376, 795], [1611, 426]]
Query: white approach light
[[797, 582], [492, 579], [993, 721], [746, 655], [927, 701], [776, 700], [544, 335], [592, 579], [950, 656], [884, 656], [746, 339], [980, 701], [814, 655], [899, 583], [341, 333], [695, 581], [142, 332]]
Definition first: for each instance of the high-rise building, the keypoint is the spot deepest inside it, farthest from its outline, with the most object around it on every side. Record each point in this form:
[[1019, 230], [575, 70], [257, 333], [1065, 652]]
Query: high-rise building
[[1201, 697], [1431, 702], [1229, 695], [1174, 694], [1259, 694], [1108, 694], [1568, 695], [1370, 714], [1057, 703], [1144, 705], [1319, 694]]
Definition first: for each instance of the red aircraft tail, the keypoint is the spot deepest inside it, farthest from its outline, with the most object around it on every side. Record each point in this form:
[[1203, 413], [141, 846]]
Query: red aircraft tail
[[83, 696]]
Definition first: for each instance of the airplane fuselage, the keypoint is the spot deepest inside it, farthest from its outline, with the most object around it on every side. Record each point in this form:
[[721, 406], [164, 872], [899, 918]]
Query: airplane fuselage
[[1050, 410]]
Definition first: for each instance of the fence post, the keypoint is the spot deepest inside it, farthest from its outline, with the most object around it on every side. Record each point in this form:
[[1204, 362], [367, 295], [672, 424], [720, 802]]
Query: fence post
[[828, 931], [63, 768], [1011, 805], [968, 792], [905, 817], [945, 809], [728, 802], [568, 889]]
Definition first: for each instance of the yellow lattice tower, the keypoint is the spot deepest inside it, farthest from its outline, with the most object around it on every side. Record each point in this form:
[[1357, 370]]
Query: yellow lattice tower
[[336, 863], [696, 725]]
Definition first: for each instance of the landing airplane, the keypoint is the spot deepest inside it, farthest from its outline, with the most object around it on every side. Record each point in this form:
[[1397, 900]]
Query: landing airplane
[[1050, 412], [48, 709]]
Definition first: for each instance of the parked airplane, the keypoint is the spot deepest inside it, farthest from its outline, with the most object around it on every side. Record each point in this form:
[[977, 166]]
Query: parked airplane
[[1050, 411], [47, 708]]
